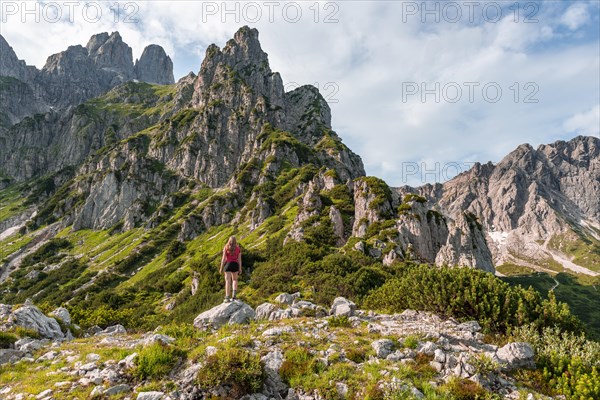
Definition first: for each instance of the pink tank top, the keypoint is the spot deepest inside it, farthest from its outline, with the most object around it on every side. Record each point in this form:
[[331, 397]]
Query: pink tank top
[[234, 256]]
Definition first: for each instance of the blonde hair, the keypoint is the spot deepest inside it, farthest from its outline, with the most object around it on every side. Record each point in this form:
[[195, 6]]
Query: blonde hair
[[231, 244]]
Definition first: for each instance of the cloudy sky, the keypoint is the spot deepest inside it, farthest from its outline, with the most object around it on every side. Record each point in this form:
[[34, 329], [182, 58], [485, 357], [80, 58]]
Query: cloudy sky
[[420, 91]]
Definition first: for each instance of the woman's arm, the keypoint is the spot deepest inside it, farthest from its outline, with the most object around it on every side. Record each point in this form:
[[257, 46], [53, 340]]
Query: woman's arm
[[223, 258], [240, 261]]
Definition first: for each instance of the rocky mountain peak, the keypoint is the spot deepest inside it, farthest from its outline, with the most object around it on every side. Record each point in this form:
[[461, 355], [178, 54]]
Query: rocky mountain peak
[[245, 47], [10, 65], [155, 66], [96, 41], [113, 54], [241, 59]]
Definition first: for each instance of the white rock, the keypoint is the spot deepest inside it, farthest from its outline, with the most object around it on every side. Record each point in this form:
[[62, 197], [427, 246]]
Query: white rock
[[342, 307], [44, 394], [471, 326], [278, 330], [62, 314], [157, 338], [113, 330], [225, 313], [30, 317], [91, 357], [51, 355], [211, 350], [439, 356], [111, 391], [427, 348], [264, 311], [97, 392], [284, 298], [383, 347], [516, 355], [150, 395], [342, 389], [128, 362]]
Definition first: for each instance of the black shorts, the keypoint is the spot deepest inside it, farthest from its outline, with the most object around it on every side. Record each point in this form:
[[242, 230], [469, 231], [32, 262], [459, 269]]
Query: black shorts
[[232, 266]]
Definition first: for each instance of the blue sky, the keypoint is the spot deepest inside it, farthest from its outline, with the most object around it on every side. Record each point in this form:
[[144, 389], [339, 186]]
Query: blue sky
[[416, 94]]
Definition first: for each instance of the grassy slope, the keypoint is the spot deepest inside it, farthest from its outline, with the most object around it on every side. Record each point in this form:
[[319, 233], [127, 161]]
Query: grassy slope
[[581, 294]]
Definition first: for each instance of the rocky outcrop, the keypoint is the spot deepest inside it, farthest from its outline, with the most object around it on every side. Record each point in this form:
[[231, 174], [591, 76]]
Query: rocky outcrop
[[154, 66], [30, 317], [234, 312]]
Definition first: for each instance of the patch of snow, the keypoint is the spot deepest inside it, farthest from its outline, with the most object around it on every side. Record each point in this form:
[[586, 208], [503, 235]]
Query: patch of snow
[[498, 237]]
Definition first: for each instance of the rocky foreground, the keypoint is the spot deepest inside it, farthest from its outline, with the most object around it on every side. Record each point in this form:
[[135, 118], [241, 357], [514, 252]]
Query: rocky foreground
[[410, 355]]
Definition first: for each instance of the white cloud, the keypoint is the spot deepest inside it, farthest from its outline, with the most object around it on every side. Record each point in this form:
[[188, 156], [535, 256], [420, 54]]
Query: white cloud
[[575, 16], [585, 123]]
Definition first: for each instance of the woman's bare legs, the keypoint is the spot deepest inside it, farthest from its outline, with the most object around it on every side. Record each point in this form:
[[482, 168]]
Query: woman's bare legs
[[228, 279], [234, 277]]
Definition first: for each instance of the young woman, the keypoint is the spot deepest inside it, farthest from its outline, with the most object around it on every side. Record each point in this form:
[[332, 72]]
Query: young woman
[[231, 262]]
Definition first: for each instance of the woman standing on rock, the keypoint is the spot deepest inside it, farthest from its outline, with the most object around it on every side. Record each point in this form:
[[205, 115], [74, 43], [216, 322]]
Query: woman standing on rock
[[232, 263]]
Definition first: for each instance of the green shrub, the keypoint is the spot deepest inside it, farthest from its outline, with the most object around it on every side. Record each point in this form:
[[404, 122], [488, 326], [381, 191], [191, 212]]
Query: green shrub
[[237, 368], [22, 332], [7, 340], [411, 342], [468, 294], [357, 354], [298, 364], [47, 250], [465, 389], [156, 360], [339, 322], [570, 362]]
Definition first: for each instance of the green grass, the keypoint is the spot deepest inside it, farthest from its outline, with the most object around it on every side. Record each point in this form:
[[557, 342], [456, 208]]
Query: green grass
[[13, 243], [584, 300], [11, 202], [585, 251], [510, 269]]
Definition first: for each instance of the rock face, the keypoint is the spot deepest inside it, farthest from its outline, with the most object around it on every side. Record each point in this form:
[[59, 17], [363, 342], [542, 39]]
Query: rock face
[[30, 317], [533, 204], [76, 75], [10, 65], [235, 312], [155, 66]]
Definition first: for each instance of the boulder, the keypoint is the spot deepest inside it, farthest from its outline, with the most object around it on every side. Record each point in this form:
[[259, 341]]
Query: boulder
[[284, 298], [235, 312], [157, 338], [30, 317], [264, 311], [112, 330], [427, 348], [516, 355], [62, 314], [342, 307], [383, 347], [114, 390], [10, 355]]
